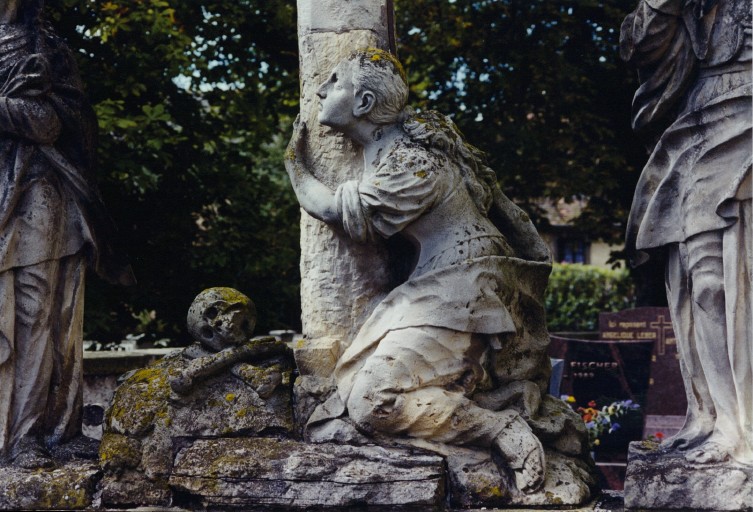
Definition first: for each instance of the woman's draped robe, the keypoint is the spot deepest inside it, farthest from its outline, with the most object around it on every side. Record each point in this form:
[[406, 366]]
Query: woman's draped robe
[[468, 319]]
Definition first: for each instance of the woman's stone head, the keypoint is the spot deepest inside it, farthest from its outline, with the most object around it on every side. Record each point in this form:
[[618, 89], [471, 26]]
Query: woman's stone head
[[379, 72]]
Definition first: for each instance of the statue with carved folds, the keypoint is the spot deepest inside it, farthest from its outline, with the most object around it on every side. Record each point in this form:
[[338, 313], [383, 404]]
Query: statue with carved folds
[[52, 226], [693, 203], [455, 354]]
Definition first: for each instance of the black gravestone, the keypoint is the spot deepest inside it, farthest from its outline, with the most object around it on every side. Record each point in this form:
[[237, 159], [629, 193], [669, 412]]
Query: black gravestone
[[603, 370], [606, 371]]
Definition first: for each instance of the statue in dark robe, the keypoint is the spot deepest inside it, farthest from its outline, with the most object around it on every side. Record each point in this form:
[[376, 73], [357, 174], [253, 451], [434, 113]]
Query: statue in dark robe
[[52, 227]]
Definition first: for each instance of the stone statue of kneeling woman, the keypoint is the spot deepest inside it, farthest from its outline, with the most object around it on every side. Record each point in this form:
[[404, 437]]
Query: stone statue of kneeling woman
[[435, 341]]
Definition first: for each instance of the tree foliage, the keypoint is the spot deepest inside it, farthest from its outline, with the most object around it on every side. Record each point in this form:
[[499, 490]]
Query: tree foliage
[[190, 98], [538, 85]]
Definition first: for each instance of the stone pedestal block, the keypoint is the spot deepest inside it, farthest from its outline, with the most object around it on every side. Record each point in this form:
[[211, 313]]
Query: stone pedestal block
[[657, 479], [274, 473], [317, 357], [476, 480], [70, 487]]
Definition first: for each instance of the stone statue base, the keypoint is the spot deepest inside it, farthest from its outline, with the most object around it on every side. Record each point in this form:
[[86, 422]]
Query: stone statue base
[[210, 446], [289, 474], [285, 474], [659, 479], [220, 425], [69, 487]]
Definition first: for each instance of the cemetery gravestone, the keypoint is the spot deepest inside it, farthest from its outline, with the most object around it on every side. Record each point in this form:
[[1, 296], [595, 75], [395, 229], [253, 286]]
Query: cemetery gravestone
[[614, 366], [665, 395], [665, 403]]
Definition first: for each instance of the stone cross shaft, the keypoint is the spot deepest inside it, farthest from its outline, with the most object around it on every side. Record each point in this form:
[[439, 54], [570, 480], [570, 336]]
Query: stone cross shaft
[[341, 280]]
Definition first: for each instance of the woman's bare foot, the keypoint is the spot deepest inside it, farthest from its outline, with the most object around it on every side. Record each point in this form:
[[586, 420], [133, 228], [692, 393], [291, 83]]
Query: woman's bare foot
[[709, 452], [692, 434], [523, 453]]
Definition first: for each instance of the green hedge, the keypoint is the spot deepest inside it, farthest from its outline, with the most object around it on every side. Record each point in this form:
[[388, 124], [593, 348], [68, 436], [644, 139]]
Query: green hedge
[[578, 293]]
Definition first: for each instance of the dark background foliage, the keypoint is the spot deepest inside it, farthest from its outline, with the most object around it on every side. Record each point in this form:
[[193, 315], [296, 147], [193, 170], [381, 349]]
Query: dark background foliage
[[538, 85]]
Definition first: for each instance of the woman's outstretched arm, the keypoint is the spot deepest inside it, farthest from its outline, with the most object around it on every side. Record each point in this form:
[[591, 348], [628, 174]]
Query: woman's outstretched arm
[[315, 197]]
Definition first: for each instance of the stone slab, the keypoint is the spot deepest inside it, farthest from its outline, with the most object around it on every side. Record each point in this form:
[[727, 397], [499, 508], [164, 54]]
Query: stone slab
[[69, 487], [133, 488], [107, 362], [607, 501], [657, 479], [317, 356], [475, 480], [265, 472]]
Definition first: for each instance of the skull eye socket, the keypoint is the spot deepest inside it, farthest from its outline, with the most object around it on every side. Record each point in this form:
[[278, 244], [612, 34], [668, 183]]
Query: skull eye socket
[[212, 312], [207, 332]]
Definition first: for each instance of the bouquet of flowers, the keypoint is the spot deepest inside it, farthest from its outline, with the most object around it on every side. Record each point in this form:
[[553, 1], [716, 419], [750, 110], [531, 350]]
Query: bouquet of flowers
[[601, 420]]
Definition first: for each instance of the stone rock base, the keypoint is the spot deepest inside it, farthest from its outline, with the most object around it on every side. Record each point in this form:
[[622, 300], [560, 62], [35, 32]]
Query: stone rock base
[[475, 481], [69, 487], [284, 474], [134, 489], [657, 479]]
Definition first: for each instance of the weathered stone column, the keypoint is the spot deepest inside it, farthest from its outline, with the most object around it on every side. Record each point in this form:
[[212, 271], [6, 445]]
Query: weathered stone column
[[340, 279]]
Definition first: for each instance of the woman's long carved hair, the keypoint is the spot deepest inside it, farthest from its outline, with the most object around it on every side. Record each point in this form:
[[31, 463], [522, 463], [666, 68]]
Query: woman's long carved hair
[[437, 131]]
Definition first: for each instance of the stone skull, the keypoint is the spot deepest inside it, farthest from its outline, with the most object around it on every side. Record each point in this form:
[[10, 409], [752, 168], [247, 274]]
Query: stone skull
[[221, 317]]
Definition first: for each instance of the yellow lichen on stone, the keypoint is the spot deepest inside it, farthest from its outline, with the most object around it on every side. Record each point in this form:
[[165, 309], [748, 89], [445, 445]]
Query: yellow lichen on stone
[[230, 397], [61, 490], [230, 295], [552, 499], [119, 451], [140, 401], [380, 56], [487, 488], [495, 492]]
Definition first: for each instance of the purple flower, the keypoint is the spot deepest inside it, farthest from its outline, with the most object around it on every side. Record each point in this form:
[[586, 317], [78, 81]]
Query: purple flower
[[615, 426]]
